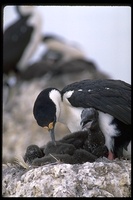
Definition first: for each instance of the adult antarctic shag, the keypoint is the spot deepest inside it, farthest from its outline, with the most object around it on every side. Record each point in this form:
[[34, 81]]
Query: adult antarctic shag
[[21, 39], [111, 98]]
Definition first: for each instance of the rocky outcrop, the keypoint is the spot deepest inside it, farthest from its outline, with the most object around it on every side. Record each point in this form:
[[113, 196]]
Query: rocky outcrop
[[97, 179]]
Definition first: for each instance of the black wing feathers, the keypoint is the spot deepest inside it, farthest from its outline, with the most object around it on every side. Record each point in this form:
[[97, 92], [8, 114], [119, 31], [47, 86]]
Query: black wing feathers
[[109, 96]]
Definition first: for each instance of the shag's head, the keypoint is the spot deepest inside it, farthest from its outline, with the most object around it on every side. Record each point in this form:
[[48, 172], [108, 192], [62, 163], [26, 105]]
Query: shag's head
[[46, 109], [25, 10]]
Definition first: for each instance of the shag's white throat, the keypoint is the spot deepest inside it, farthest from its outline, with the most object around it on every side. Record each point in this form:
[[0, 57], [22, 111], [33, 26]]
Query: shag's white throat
[[65, 112]]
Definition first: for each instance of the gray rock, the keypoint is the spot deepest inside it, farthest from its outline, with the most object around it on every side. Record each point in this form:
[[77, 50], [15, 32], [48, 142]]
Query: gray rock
[[97, 179]]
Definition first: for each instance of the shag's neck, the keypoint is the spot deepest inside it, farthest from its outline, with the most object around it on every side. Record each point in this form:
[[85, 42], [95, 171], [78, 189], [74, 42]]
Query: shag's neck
[[70, 116], [55, 96], [65, 113]]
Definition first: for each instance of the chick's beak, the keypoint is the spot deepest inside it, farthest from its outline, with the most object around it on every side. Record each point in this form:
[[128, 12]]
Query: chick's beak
[[51, 131]]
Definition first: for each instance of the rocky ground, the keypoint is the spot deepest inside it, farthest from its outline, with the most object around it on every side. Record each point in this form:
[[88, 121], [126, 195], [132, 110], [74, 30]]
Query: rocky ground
[[97, 179]]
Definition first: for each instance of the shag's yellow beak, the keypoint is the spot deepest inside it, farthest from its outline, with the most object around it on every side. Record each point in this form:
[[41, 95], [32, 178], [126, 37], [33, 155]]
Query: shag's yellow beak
[[50, 128]]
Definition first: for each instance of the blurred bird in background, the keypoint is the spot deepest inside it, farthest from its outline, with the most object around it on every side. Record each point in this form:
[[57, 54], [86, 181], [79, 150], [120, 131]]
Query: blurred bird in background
[[60, 57], [21, 39], [59, 49]]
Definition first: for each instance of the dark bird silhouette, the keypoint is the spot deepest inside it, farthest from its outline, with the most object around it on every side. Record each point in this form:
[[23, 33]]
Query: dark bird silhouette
[[32, 152], [111, 98], [21, 39]]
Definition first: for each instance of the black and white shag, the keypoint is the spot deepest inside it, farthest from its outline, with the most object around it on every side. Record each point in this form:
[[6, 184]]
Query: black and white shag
[[21, 39], [111, 98]]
